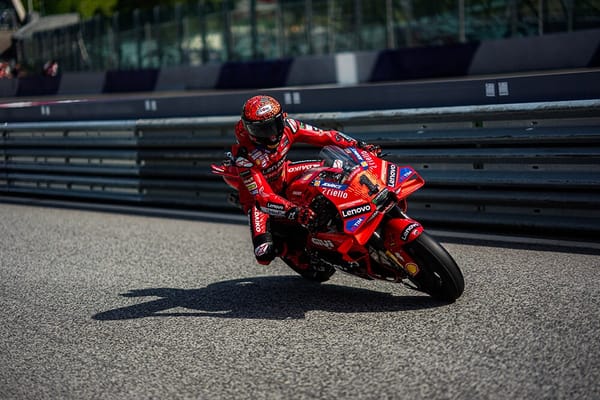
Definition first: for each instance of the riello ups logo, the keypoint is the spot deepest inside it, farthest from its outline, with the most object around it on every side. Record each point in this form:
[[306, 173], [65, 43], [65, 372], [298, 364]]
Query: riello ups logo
[[351, 212]]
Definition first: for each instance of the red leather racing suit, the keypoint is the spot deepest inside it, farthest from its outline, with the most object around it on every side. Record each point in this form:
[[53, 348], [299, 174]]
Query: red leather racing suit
[[264, 173]]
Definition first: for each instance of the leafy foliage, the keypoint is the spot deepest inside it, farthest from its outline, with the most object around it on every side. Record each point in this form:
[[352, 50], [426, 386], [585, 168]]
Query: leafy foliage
[[88, 8]]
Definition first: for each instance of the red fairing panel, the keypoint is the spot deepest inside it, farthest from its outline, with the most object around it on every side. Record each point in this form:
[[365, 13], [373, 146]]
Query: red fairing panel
[[399, 231]]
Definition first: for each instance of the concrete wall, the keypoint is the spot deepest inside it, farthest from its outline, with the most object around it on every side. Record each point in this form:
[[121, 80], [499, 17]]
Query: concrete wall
[[487, 90]]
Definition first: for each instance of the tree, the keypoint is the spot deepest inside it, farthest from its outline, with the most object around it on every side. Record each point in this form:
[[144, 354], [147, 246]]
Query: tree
[[88, 8]]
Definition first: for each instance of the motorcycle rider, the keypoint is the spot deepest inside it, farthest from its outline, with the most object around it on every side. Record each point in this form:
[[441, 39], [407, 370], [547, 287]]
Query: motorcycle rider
[[264, 136]]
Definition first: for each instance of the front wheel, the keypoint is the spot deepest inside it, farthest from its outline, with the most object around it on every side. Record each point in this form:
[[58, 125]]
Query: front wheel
[[439, 275]]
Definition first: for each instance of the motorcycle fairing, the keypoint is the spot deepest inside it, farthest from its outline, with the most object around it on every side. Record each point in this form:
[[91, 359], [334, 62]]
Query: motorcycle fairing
[[331, 241], [399, 231]]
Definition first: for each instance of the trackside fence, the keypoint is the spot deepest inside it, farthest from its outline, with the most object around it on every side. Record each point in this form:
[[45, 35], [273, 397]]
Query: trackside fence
[[531, 167]]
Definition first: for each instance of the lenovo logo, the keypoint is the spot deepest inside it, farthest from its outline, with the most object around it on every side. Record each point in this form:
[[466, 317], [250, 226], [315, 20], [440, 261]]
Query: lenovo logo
[[392, 175], [350, 212]]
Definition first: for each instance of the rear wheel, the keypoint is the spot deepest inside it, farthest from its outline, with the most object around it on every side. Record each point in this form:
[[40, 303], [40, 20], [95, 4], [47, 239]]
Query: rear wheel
[[439, 275]]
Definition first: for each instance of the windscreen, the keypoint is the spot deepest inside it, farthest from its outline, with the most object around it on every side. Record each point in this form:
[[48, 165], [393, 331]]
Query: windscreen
[[337, 157]]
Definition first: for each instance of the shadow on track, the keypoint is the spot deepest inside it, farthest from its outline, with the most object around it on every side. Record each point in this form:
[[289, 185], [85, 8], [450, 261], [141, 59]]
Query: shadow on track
[[279, 297]]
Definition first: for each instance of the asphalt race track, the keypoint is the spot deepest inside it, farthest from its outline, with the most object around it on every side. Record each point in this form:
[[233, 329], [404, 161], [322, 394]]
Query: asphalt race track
[[113, 306]]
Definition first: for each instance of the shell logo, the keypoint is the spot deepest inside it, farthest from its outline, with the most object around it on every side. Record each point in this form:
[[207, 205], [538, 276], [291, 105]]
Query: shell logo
[[411, 268]]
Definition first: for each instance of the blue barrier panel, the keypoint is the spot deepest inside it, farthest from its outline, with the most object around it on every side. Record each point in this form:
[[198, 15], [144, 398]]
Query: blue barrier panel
[[141, 80], [424, 62], [595, 59], [188, 78], [312, 70], [8, 87], [550, 52], [38, 85], [81, 83], [253, 75]]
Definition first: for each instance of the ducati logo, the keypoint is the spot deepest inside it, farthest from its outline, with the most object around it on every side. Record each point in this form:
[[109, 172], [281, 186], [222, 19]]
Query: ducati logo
[[328, 244]]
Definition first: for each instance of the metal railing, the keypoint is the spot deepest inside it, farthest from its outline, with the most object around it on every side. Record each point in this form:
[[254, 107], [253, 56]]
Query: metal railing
[[518, 167]]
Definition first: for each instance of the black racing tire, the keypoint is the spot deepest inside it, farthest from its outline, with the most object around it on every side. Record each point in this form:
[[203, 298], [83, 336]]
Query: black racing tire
[[310, 273], [439, 275]]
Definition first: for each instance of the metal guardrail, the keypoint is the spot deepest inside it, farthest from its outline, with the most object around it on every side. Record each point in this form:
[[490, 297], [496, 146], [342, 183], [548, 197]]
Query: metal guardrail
[[518, 167]]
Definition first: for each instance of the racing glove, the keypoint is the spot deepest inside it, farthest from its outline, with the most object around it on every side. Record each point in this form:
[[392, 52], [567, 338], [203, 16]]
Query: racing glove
[[302, 215], [371, 148]]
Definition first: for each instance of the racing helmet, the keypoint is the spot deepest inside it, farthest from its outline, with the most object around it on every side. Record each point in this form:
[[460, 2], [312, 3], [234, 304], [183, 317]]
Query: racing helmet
[[263, 119]]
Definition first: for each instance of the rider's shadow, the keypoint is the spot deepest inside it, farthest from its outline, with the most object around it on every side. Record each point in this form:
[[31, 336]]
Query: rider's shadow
[[274, 297]]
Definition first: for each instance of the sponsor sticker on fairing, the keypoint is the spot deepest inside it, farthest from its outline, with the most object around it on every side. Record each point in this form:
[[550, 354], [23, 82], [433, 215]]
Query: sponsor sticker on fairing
[[411, 268], [408, 230], [381, 197], [328, 185], [360, 159], [328, 244], [405, 173], [339, 194], [353, 224], [371, 163], [351, 212], [392, 174], [333, 185]]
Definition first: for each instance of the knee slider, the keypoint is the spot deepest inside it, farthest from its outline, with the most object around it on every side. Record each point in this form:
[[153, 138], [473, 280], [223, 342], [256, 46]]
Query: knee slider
[[264, 249]]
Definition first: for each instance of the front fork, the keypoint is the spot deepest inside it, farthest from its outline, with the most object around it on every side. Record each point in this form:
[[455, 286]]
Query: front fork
[[394, 233]]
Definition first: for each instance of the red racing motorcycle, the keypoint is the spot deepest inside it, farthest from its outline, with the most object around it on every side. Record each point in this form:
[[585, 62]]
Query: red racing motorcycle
[[361, 226]]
